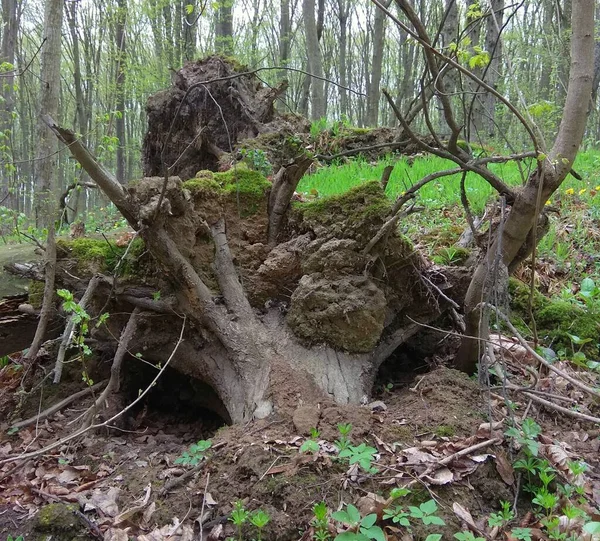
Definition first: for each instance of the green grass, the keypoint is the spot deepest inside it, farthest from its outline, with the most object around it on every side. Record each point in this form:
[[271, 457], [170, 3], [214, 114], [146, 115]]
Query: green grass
[[574, 236], [443, 192]]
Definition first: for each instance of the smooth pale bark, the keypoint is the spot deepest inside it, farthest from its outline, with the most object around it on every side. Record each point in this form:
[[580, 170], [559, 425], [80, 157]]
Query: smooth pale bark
[[545, 180], [315, 61], [46, 143]]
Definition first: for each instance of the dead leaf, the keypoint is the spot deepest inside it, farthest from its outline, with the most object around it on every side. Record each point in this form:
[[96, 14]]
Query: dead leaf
[[116, 534], [442, 476], [504, 468], [464, 514]]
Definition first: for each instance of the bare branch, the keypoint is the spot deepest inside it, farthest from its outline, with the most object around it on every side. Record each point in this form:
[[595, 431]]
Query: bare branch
[[434, 52], [107, 182]]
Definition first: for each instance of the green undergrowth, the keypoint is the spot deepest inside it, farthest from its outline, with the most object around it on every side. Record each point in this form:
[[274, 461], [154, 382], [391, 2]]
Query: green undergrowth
[[562, 324], [247, 188], [100, 255]]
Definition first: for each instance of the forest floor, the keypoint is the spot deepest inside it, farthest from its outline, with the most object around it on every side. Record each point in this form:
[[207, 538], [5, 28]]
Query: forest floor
[[431, 436]]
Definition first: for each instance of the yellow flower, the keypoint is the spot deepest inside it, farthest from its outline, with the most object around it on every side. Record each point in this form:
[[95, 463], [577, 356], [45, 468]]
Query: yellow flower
[[582, 191], [570, 191], [597, 188], [549, 202]]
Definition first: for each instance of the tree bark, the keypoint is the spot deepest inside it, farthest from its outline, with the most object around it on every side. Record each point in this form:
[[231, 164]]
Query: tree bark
[[315, 61], [120, 68], [224, 27], [47, 146], [376, 66], [541, 184], [10, 27]]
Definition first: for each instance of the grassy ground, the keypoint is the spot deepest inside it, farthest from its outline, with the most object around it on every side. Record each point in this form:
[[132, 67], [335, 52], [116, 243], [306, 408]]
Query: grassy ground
[[570, 249]]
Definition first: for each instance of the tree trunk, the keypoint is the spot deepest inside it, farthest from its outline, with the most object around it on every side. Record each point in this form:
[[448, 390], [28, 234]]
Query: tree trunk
[[46, 156], [10, 27], [376, 66], [550, 174], [315, 62], [224, 27], [120, 68], [343, 9]]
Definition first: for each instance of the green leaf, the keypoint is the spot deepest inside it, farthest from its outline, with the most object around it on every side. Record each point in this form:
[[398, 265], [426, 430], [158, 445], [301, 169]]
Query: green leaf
[[343, 517], [429, 507], [368, 521], [374, 532], [189, 9], [592, 528], [351, 536], [353, 513], [433, 520], [433, 537], [587, 286]]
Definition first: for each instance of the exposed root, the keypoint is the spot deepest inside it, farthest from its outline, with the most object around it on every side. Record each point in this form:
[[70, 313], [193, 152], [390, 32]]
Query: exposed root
[[115, 370]]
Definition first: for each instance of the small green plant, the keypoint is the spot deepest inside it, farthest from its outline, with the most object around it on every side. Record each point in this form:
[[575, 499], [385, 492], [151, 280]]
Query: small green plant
[[239, 517], [527, 436], [320, 522], [257, 159], [426, 513], [522, 533], [195, 454], [311, 445], [362, 454], [343, 442], [359, 529], [503, 517], [259, 519], [11, 538]]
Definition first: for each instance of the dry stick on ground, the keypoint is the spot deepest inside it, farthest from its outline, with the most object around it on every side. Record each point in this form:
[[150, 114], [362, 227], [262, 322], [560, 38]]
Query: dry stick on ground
[[540, 359], [70, 328], [48, 299], [84, 430], [60, 405], [115, 370]]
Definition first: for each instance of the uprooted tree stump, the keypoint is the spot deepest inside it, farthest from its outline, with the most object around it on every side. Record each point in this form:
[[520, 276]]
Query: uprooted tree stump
[[284, 302]]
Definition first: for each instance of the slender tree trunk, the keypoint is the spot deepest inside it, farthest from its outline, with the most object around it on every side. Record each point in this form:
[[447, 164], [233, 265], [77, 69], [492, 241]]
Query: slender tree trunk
[[120, 68], [552, 171], [315, 61], [46, 144], [224, 27], [189, 30], [376, 66], [8, 45], [493, 45], [343, 9]]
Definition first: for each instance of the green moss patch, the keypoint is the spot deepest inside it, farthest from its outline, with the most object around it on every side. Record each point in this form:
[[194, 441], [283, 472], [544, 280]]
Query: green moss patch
[[357, 214], [242, 186], [95, 255], [555, 318]]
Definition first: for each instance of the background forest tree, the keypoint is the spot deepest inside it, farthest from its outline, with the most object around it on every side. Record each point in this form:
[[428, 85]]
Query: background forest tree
[[116, 53]]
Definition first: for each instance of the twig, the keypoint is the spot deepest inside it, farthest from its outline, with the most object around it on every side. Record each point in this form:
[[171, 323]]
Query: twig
[[115, 370], [468, 450], [202, 507], [566, 411], [543, 361], [69, 329], [59, 405]]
